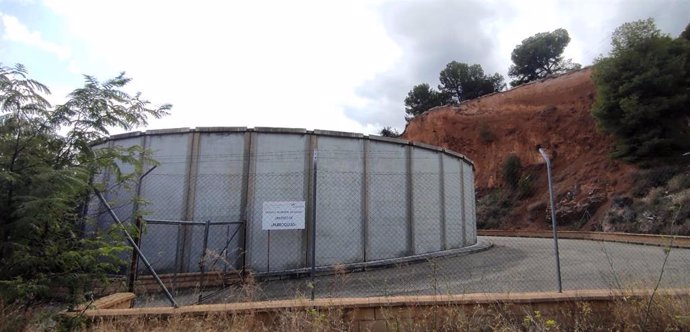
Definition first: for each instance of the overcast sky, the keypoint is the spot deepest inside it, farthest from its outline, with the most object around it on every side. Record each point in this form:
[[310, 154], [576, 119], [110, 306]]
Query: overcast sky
[[335, 65]]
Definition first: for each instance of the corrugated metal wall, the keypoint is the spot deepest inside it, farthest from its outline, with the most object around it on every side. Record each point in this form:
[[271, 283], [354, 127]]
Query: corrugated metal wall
[[377, 198]]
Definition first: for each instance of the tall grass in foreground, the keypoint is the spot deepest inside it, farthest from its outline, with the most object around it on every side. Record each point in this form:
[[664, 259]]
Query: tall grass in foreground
[[629, 313]]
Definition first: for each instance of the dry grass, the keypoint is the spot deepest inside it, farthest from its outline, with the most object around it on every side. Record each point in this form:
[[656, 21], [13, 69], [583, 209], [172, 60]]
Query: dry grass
[[666, 312], [13, 317], [18, 317], [663, 312], [285, 320]]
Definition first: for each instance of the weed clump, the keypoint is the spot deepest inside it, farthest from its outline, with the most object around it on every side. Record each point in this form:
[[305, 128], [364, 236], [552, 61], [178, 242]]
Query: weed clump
[[512, 170], [493, 208], [660, 204], [645, 180]]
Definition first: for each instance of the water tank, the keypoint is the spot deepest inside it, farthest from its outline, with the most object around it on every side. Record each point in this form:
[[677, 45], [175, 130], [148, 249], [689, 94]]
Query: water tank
[[377, 198]]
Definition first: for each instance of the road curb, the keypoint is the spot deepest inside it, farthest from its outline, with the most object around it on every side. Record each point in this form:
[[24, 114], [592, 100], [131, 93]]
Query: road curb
[[674, 241], [481, 245]]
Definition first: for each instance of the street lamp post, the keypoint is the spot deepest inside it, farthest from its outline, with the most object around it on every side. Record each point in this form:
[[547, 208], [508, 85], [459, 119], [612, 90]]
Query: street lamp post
[[553, 217]]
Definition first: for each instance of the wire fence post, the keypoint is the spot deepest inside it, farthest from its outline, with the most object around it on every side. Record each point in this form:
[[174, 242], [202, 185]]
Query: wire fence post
[[313, 230], [137, 238], [554, 224], [202, 263], [133, 267]]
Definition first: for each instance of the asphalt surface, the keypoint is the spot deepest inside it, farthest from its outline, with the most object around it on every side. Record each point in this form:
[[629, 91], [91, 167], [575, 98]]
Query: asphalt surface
[[511, 265]]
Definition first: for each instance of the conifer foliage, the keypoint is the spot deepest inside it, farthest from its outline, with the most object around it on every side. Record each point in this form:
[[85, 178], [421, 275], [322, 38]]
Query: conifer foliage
[[643, 92]]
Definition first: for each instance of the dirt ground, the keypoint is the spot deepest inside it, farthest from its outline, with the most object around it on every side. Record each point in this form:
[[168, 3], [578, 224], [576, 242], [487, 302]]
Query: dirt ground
[[553, 113]]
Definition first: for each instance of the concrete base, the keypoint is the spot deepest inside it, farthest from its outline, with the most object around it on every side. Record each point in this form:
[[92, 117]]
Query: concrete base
[[481, 245]]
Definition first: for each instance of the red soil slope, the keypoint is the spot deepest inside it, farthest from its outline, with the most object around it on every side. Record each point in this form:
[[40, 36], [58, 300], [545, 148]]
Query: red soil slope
[[553, 113]]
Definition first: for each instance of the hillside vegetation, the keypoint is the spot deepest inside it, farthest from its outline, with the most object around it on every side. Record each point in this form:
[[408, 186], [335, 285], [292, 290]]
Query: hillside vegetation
[[594, 191], [618, 134]]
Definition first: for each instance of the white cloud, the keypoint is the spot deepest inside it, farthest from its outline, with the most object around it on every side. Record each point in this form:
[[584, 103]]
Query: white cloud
[[305, 63], [258, 63], [16, 31]]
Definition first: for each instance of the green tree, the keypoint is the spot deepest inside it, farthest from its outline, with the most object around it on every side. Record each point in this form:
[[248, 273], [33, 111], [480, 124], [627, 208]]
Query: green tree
[[389, 132], [422, 98], [540, 56], [47, 161], [642, 92], [463, 82], [686, 33]]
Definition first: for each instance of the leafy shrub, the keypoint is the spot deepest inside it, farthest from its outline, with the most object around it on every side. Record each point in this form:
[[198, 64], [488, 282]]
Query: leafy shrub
[[485, 133], [679, 182], [511, 170], [647, 179], [492, 208], [47, 163], [660, 204], [525, 187]]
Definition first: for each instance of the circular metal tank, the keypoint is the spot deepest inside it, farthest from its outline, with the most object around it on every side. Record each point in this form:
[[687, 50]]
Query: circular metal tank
[[377, 198]]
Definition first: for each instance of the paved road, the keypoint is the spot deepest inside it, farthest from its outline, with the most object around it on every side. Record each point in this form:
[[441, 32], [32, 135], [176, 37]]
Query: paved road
[[511, 265]]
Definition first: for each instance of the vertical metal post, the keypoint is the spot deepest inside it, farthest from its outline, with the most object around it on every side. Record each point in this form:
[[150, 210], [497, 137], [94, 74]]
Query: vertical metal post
[[136, 248], [311, 144], [225, 252], [268, 251], [409, 212], [442, 207], [135, 258], [178, 257], [463, 204], [365, 199], [189, 197], [248, 178], [202, 263], [313, 230], [135, 213], [554, 225]]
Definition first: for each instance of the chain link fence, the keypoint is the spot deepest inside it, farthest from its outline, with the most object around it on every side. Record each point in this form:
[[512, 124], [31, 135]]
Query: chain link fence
[[516, 261], [436, 262], [399, 223]]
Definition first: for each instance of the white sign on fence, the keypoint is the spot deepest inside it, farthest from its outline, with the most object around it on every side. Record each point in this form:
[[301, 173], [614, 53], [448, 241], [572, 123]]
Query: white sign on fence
[[283, 215]]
